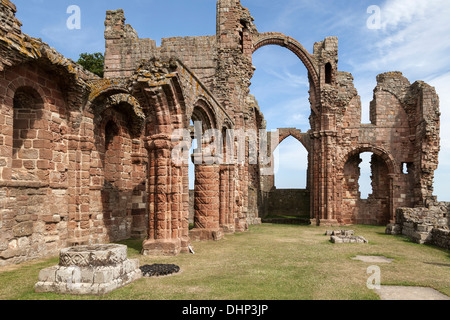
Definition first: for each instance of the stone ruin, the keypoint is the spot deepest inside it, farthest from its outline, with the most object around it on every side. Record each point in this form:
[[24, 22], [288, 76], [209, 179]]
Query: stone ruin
[[345, 236], [89, 270], [86, 160], [348, 239], [424, 225]]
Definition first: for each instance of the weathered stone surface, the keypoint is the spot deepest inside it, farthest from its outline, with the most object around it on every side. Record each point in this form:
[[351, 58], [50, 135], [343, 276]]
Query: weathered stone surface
[[348, 239], [23, 229], [424, 225], [81, 278], [344, 233], [87, 160], [96, 255]]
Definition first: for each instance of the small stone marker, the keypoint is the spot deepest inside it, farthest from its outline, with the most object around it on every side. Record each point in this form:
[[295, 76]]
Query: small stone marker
[[340, 233], [89, 270], [344, 236], [348, 239]]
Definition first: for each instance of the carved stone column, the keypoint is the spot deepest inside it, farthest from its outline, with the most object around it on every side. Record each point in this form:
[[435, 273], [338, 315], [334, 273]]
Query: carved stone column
[[165, 200], [206, 203], [227, 222]]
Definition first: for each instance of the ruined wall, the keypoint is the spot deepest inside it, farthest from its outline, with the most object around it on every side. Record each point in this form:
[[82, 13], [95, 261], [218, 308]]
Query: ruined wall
[[289, 202], [393, 139], [34, 125], [52, 160], [124, 50], [427, 225]]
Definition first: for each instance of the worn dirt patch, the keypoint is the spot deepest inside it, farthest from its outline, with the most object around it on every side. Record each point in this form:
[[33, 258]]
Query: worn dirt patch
[[409, 293], [373, 259]]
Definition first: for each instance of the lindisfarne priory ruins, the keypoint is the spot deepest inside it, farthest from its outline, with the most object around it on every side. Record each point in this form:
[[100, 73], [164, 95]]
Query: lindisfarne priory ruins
[[88, 161]]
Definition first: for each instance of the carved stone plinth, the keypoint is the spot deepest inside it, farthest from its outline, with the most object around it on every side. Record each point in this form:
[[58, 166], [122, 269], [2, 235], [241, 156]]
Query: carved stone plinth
[[89, 270]]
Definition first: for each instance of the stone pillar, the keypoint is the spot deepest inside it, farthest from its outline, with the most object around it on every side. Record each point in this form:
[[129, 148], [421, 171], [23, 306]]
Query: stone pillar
[[323, 187], [391, 198], [165, 197], [226, 192], [206, 203]]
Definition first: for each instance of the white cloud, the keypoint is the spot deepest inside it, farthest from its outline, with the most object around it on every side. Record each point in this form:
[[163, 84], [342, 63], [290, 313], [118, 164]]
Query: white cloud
[[397, 12], [413, 37], [442, 175]]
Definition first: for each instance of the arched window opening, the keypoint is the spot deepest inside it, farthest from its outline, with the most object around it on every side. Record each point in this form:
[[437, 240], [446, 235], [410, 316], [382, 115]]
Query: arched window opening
[[291, 165], [407, 167], [365, 177]]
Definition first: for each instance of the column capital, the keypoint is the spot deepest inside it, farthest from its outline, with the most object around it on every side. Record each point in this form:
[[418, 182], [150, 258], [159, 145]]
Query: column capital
[[158, 141]]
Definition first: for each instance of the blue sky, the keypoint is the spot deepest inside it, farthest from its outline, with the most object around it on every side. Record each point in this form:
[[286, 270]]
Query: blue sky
[[412, 38]]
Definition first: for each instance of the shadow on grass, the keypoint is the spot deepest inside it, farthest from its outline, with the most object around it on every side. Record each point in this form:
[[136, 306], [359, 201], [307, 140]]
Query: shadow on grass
[[134, 244], [383, 234], [438, 264]]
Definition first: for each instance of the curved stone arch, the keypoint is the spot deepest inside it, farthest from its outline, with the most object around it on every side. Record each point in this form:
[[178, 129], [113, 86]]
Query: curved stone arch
[[383, 154], [203, 112], [192, 90], [177, 105], [19, 83], [104, 87], [274, 38], [285, 133], [45, 100], [118, 97], [296, 134]]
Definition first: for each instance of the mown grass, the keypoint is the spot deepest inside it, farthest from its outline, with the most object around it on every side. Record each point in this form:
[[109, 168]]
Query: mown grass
[[270, 262]]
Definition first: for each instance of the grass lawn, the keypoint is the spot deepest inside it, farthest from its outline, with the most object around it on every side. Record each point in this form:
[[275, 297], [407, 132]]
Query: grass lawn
[[270, 262]]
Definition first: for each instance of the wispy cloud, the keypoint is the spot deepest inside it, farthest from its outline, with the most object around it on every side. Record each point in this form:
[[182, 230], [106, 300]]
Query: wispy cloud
[[398, 12], [413, 37]]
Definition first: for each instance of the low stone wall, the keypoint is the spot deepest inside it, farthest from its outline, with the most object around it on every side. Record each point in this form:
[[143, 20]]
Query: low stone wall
[[441, 238], [289, 202], [424, 225]]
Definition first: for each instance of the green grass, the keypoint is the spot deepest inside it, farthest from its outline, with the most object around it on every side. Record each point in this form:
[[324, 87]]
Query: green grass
[[269, 262], [286, 217]]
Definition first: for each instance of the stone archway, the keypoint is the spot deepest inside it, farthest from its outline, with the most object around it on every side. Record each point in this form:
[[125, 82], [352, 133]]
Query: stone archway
[[279, 39], [378, 208], [206, 195]]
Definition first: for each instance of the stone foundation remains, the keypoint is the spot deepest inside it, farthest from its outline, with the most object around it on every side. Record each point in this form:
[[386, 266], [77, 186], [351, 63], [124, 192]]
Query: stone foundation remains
[[427, 225], [348, 239], [89, 270]]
